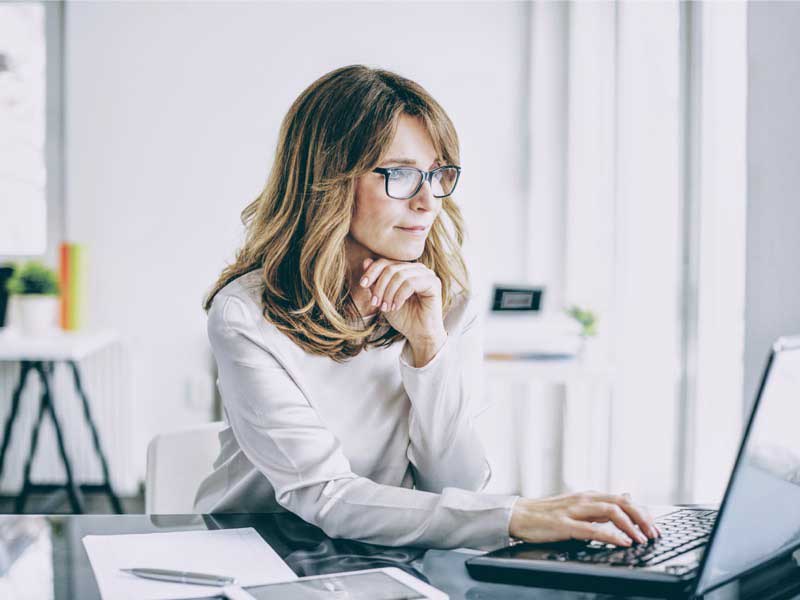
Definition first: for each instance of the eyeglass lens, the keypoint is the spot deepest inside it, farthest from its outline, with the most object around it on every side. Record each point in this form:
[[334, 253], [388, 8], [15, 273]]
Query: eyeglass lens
[[404, 182]]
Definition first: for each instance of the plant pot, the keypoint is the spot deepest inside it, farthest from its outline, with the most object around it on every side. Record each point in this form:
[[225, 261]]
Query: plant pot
[[590, 354], [38, 313]]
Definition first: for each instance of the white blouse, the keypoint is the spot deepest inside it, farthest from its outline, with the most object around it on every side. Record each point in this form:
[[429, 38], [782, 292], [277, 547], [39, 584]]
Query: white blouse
[[372, 449]]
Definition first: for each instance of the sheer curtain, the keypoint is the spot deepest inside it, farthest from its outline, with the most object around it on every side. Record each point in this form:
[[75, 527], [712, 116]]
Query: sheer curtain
[[635, 121]]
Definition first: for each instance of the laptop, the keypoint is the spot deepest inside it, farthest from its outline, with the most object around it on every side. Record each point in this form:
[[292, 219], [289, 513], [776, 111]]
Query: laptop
[[757, 522]]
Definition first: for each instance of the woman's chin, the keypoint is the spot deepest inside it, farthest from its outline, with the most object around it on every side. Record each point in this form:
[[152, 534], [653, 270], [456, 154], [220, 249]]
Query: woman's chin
[[404, 254]]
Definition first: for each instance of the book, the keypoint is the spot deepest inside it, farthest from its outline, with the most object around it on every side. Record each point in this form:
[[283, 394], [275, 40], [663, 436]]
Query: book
[[73, 277], [63, 277]]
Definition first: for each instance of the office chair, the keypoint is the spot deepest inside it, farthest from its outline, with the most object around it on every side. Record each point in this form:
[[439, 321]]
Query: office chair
[[177, 461]]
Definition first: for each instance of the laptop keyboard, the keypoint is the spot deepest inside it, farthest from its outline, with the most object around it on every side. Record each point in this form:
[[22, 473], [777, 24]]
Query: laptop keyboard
[[681, 531]]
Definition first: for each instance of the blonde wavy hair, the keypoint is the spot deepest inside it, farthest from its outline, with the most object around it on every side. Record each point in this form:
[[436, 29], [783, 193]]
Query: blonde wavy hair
[[337, 130]]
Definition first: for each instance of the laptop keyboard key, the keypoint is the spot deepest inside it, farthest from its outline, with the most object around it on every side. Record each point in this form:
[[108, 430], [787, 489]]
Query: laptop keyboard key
[[682, 530]]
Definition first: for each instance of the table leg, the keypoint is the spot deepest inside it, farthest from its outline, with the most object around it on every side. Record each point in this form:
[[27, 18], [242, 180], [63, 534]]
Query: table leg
[[19, 503], [25, 368], [72, 490], [115, 503]]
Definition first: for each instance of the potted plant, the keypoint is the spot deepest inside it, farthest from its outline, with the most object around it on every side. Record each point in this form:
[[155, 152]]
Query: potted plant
[[586, 318], [36, 288], [588, 322]]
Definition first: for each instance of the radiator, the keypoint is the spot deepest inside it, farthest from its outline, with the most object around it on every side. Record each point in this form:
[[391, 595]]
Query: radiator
[[106, 378]]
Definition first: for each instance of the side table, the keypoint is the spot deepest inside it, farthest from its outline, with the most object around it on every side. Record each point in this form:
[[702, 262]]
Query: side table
[[40, 354]]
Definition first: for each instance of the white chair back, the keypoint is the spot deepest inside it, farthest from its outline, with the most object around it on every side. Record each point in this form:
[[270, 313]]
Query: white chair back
[[177, 462]]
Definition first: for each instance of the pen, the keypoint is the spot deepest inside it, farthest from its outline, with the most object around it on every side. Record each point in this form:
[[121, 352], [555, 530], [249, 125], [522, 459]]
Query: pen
[[181, 576], [228, 584]]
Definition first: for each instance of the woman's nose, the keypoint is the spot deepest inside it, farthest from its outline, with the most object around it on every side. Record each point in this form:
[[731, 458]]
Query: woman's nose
[[424, 199]]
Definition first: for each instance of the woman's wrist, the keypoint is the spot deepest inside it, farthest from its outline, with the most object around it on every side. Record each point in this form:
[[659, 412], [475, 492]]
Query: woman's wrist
[[424, 348], [518, 514]]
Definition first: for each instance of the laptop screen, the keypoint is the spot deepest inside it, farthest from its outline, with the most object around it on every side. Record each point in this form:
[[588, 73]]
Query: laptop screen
[[760, 516]]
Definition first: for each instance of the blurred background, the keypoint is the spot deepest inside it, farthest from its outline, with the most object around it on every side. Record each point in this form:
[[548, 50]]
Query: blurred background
[[635, 160]]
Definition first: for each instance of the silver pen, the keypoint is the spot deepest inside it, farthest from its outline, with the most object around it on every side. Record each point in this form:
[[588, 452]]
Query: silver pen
[[182, 576], [228, 584]]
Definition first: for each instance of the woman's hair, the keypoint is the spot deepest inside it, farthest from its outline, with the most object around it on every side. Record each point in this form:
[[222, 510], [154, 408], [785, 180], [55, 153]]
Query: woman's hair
[[338, 129]]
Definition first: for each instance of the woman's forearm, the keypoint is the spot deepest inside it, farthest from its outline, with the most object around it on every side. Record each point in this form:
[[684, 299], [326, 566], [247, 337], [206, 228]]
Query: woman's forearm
[[444, 446], [359, 508]]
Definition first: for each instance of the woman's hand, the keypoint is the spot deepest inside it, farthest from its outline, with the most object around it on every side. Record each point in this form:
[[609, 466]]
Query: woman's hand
[[410, 295], [577, 516]]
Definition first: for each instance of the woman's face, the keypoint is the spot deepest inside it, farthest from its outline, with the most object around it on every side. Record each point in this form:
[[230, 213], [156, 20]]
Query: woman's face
[[391, 228]]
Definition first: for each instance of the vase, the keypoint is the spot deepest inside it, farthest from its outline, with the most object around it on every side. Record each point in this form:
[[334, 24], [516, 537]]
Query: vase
[[38, 313]]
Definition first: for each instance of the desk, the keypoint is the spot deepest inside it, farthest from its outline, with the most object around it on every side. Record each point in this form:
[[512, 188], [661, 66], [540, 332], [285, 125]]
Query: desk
[[305, 548]]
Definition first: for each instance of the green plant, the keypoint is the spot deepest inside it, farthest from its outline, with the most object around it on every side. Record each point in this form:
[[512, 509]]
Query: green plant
[[586, 318], [33, 278]]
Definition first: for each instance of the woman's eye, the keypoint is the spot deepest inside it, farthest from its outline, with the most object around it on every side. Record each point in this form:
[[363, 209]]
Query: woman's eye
[[400, 175]]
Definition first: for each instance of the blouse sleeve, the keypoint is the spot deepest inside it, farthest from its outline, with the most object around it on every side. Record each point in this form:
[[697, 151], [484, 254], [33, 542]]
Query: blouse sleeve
[[446, 394], [283, 436]]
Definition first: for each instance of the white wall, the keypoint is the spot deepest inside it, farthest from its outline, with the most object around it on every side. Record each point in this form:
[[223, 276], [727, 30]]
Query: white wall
[[773, 213], [171, 116]]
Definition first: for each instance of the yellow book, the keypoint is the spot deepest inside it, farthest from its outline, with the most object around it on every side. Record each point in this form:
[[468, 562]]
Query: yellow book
[[76, 317]]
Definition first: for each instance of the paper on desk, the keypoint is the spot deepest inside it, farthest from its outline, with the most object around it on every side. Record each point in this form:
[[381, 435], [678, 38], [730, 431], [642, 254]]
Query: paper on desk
[[239, 553]]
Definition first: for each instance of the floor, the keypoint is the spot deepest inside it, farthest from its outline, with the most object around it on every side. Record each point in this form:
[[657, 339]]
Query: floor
[[95, 504]]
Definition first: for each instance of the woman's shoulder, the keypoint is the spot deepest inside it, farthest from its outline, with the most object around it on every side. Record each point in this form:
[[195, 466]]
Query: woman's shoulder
[[246, 286], [239, 305], [237, 316]]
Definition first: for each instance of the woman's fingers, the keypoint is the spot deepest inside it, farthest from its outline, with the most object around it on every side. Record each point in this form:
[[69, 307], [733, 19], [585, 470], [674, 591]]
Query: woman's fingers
[[640, 516], [394, 284], [386, 274], [390, 277], [372, 271], [605, 511], [579, 516], [392, 296], [408, 289], [583, 530]]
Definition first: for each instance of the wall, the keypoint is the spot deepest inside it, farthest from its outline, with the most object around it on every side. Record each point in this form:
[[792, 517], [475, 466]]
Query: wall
[[773, 212], [171, 116]]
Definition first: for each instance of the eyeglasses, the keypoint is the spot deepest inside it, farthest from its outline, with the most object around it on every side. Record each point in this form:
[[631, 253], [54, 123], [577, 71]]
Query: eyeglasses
[[403, 183]]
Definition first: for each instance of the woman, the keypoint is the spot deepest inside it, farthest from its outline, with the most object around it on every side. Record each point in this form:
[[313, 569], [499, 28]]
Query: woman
[[346, 341]]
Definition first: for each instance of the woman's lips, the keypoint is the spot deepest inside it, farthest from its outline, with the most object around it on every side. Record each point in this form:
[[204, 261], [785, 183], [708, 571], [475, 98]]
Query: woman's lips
[[414, 230]]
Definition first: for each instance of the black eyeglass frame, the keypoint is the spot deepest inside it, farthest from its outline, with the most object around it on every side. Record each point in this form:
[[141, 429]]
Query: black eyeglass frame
[[426, 176]]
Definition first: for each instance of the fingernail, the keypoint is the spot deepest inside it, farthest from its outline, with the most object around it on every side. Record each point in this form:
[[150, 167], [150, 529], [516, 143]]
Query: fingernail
[[384, 307], [364, 282], [394, 306], [642, 538], [626, 541], [374, 301]]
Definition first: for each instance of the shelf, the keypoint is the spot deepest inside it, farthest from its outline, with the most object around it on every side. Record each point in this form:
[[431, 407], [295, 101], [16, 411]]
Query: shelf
[[563, 371], [58, 345]]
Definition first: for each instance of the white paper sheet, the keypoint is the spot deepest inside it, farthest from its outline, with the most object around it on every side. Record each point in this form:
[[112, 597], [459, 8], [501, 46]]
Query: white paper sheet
[[239, 553]]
